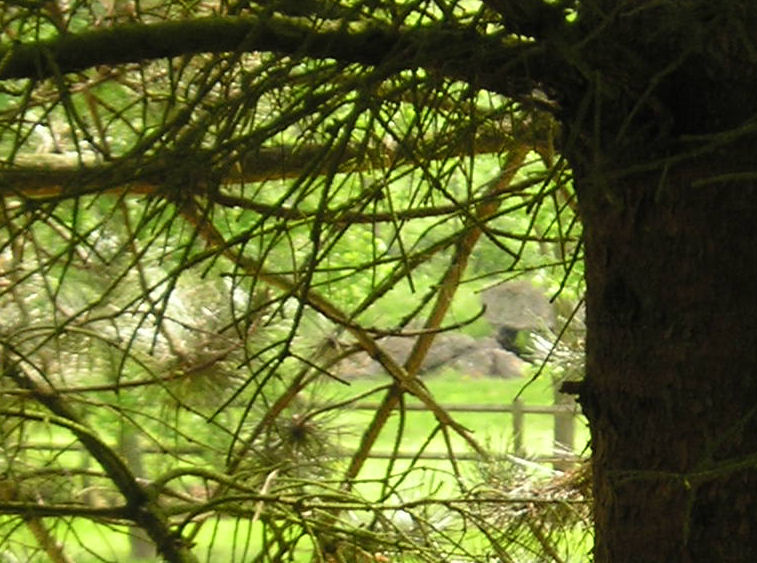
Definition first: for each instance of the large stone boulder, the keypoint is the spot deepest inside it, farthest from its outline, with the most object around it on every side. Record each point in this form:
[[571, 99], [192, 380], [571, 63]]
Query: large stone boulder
[[445, 347], [489, 361], [474, 357], [518, 305]]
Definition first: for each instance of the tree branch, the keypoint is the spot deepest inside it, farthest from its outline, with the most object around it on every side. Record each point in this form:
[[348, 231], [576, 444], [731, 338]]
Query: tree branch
[[142, 510], [405, 382], [43, 176], [445, 294], [490, 61], [534, 18], [29, 509]]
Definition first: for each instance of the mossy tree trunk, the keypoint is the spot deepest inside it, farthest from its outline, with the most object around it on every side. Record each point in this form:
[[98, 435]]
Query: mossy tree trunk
[[671, 392], [663, 152]]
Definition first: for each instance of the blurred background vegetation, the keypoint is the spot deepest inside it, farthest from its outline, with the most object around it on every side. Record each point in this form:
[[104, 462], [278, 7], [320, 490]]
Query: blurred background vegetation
[[196, 251]]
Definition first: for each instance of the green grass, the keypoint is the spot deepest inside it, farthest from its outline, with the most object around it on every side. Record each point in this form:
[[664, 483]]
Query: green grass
[[85, 541], [493, 430], [411, 480], [230, 540]]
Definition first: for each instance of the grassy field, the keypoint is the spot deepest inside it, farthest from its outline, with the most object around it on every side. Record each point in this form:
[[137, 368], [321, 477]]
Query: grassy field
[[435, 477], [409, 481], [491, 429]]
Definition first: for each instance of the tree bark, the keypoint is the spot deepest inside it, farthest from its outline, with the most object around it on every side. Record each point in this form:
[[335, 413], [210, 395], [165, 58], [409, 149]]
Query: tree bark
[[662, 144], [670, 392]]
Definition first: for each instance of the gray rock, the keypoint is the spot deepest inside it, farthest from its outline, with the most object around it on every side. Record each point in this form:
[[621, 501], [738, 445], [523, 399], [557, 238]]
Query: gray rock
[[445, 347], [489, 362], [473, 357], [506, 364], [519, 305]]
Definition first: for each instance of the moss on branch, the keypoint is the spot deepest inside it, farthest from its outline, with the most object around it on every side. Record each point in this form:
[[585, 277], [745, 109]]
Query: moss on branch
[[456, 52]]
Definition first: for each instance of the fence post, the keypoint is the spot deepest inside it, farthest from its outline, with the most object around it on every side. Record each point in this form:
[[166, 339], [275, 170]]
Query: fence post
[[564, 433], [518, 428]]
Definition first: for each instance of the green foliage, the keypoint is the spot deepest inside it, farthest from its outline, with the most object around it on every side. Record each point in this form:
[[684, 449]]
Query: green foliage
[[190, 245]]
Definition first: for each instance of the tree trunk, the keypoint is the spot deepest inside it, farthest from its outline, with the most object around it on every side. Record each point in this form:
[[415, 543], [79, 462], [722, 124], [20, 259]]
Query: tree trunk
[[670, 391]]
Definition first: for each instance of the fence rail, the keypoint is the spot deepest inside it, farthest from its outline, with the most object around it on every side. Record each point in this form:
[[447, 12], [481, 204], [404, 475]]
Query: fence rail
[[564, 413], [516, 406], [563, 456]]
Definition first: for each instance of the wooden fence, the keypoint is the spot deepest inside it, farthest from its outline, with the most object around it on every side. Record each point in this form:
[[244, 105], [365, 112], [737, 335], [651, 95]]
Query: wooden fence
[[564, 412]]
